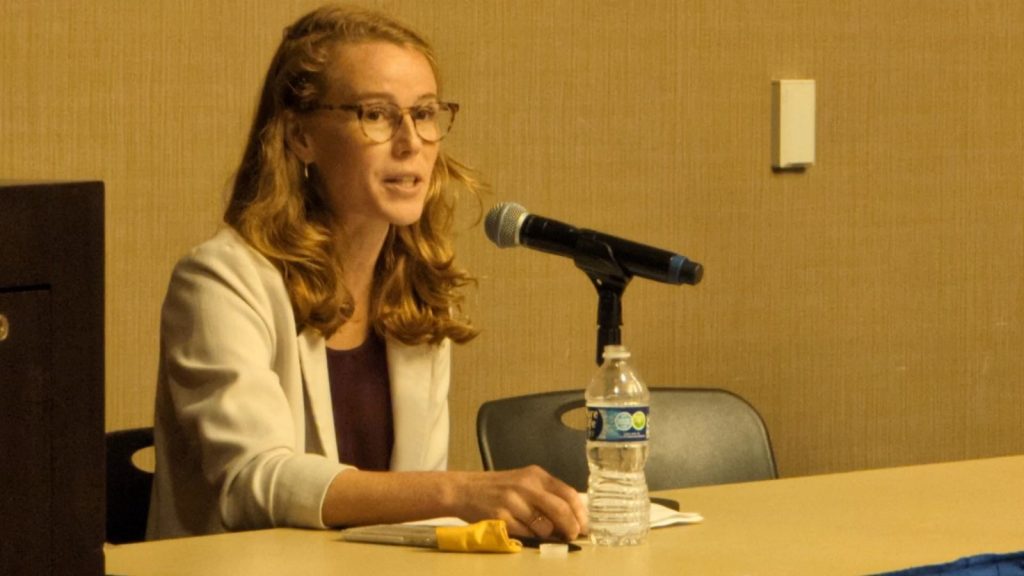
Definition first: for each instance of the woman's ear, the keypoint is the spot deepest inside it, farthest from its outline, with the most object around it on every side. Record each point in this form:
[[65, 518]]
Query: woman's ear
[[296, 137]]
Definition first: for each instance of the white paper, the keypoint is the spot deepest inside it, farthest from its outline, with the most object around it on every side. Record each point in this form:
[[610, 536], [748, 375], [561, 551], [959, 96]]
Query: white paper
[[661, 516]]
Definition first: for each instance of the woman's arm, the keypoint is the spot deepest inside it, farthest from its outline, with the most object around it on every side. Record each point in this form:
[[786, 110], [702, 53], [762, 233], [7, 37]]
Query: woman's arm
[[529, 500], [231, 403]]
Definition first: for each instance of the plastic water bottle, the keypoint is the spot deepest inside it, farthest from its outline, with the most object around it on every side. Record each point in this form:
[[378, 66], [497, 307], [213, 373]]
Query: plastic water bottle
[[617, 408]]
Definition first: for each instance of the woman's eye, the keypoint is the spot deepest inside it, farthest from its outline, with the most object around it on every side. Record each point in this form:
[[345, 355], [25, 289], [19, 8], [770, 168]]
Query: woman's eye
[[375, 114], [424, 113]]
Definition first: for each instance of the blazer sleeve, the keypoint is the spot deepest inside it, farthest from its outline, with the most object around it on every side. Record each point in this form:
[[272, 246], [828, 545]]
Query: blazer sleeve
[[235, 382]]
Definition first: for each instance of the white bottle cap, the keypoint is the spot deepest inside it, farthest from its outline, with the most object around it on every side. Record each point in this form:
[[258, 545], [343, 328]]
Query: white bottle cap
[[615, 352], [554, 550]]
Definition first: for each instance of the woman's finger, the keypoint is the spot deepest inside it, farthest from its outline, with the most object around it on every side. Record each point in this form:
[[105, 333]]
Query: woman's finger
[[541, 526]]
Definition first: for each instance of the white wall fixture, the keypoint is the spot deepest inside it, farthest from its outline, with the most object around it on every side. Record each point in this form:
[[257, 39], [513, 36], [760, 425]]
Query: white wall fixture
[[793, 106]]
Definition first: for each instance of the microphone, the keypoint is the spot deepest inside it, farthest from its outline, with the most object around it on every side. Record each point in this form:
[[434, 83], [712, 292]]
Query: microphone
[[509, 224]]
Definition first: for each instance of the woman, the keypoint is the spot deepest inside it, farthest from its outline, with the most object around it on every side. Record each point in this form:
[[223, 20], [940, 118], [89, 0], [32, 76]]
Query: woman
[[305, 349]]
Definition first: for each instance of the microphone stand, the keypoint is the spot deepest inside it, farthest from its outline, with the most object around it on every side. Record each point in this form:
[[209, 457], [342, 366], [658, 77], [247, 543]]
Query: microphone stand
[[610, 279]]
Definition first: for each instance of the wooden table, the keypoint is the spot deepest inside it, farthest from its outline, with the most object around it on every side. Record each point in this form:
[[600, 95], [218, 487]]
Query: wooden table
[[853, 523]]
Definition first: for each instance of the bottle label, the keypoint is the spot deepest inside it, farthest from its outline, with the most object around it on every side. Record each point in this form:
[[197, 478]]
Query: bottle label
[[617, 424]]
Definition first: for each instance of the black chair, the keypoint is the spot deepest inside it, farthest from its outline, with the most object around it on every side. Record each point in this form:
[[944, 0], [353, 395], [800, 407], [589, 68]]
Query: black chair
[[698, 436], [128, 486]]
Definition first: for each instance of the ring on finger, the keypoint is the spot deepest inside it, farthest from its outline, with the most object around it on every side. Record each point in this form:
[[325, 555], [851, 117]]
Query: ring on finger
[[536, 519]]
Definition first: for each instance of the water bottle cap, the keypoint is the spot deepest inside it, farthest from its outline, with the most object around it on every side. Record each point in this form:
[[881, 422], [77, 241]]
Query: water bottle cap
[[615, 352], [554, 550]]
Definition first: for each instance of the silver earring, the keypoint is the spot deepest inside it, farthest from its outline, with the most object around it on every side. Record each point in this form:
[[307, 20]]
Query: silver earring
[[305, 171]]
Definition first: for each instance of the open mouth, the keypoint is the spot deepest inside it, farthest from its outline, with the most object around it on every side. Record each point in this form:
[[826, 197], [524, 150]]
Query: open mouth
[[403, 181]]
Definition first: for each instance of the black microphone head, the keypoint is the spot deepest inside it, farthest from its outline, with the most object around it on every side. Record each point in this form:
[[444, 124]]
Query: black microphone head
[[694, 272], [503, 223]]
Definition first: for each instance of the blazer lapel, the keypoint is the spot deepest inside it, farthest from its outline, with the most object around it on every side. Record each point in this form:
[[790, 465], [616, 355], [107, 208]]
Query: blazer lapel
[[313, 357], [409, 368]]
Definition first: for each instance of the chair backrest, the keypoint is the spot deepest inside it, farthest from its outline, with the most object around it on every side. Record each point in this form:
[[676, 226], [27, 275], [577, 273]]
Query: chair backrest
[[698, 436], [128, 486]]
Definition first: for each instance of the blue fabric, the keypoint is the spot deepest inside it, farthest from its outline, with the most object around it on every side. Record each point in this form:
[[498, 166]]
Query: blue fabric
[[981, 565]]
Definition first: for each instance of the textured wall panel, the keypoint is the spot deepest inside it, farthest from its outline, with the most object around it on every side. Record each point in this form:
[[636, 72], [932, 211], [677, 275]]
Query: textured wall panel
[[870, 307]]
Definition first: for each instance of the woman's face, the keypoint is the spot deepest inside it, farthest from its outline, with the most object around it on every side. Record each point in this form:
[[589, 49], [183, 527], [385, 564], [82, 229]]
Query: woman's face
[[367, 182]]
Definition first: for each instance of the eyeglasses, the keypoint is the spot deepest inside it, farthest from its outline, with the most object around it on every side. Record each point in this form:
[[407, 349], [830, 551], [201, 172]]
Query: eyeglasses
[[381, 120]]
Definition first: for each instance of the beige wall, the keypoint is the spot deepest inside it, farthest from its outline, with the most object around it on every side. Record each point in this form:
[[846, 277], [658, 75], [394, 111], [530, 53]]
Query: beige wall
[[870, 307]]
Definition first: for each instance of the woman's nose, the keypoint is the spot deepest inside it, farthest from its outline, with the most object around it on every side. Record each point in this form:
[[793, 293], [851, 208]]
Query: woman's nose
[[407, 139]]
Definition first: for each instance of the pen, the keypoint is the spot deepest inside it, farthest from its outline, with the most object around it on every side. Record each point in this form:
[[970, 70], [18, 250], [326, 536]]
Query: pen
[[420, 536], [397, 534], [536, 542]]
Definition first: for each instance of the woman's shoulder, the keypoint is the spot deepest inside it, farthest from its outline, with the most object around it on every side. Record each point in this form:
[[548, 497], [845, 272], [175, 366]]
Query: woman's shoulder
[[228, 257], [225, 248], [227, 244]]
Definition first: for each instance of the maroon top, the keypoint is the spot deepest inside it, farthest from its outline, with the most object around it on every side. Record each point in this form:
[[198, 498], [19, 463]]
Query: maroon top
[[361, 397]]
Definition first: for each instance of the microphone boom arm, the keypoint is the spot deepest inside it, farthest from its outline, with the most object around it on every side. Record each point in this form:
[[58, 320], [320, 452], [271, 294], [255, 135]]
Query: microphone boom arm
[[597, 260]]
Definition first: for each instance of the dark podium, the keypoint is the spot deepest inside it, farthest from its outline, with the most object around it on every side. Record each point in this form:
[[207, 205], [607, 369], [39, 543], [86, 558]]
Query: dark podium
[[51, 378]]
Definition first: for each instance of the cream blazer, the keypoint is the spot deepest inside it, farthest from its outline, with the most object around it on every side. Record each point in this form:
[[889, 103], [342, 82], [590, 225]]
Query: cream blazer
[[244, 424]]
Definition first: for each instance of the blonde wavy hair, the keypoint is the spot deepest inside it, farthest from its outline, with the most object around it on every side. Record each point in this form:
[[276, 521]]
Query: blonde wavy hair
[[283, 215]]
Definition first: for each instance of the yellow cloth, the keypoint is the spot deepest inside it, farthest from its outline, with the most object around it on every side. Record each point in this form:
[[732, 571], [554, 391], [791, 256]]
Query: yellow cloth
[[484, 536]]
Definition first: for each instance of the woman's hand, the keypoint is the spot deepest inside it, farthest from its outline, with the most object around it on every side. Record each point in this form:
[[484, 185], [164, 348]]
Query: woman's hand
[[531, 501]]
